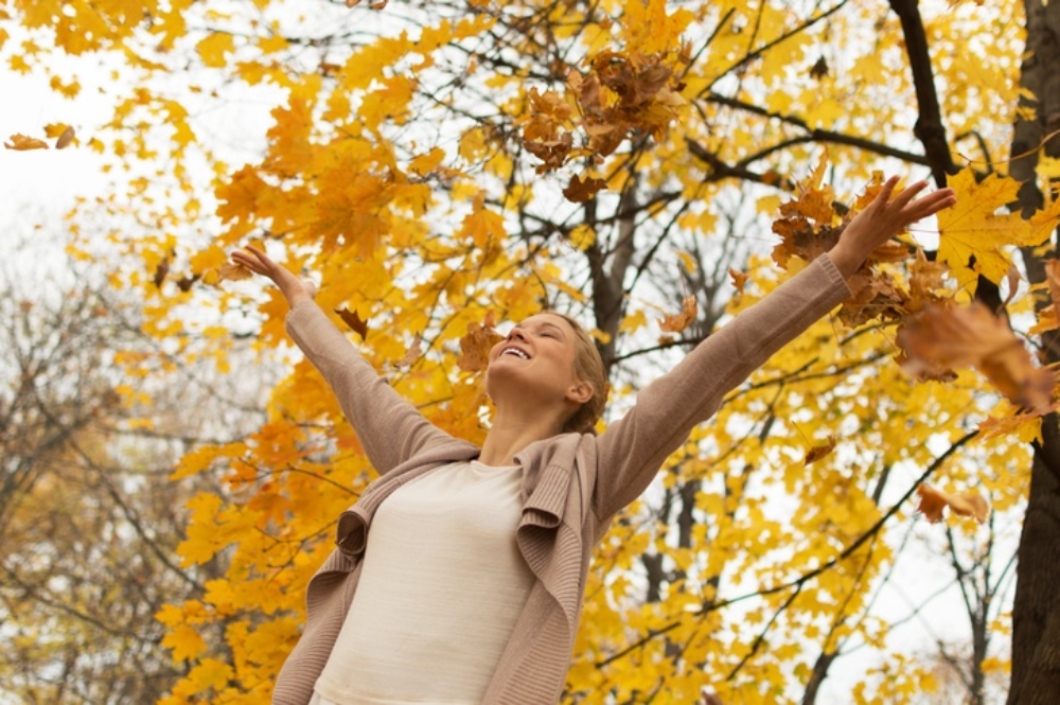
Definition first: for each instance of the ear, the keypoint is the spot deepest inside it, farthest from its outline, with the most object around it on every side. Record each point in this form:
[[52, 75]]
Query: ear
[[580, 392]]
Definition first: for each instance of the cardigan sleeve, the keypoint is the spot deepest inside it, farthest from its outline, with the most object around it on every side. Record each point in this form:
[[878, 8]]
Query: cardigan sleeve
[[390, 429], [633, 448]]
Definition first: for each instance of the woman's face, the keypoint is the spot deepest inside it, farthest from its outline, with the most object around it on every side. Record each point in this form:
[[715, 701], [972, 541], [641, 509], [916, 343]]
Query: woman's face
[[537, 357]]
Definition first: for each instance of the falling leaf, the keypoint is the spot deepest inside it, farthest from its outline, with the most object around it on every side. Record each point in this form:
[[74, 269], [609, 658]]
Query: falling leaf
[[353, 3], [950, 337], [476, 345], [579, 191], [160, 272], [739, 279], [378, 4], [230, 271], [934, 501], [414, 353], [1049, 317], [820, 69], [353, 320], [678, 322], [818, 452], [65, 139], [973, 235], [186, 282], [22, 143]]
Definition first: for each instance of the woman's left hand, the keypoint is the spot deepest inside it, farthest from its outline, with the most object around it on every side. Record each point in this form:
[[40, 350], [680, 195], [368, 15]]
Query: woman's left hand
[[883, 219]]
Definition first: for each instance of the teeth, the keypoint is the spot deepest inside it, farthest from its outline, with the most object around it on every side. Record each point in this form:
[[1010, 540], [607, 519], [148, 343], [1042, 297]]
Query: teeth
[[515, 351]]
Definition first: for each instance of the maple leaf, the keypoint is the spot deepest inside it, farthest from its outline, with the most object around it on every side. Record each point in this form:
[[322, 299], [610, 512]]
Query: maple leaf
[[739, 279], [230, 271], [476, 345], [817, 452], [933, 502], [874, 295], [579, 191], [66, 138], [414, 352], [22, 143], [948, 337], [679, 321], [972, 235], [353, 320], [1049, 318]]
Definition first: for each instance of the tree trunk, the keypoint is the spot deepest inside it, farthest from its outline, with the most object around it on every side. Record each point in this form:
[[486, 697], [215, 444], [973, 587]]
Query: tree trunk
[[1036, 613]]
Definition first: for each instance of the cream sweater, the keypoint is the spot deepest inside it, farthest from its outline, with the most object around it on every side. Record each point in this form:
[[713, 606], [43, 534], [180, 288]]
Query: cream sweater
[[441, 588], [572, 484]]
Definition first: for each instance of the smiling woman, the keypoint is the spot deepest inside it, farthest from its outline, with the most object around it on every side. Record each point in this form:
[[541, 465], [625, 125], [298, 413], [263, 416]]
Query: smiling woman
[[458, 575]]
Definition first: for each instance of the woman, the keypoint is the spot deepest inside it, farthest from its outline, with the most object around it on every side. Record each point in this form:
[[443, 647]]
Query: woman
[[458, 575]]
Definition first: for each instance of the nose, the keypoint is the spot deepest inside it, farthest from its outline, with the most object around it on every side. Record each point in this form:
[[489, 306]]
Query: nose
[[516, 334]]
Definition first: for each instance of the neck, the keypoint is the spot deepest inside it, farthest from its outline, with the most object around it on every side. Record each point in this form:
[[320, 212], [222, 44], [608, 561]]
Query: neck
[[510, 434]]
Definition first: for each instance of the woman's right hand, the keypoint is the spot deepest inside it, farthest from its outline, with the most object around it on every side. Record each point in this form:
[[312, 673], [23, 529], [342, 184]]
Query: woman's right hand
[[294, 289]]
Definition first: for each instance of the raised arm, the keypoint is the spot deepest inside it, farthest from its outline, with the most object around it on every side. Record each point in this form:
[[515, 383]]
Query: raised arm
[[390, 429], [634, 447]]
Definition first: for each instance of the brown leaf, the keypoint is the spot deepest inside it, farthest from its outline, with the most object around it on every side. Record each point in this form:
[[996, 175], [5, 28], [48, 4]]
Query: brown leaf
[[66, 138], [820, 69], [579, 191], [476, 345], [378, 4], [351, 319], [230, 271], [678, 322], [971, 336], [934, 501], [739, 279], [818, 452], [22, 143], [414, 353], [160, 272], [187, 281], [1013, 279], [353, 3]]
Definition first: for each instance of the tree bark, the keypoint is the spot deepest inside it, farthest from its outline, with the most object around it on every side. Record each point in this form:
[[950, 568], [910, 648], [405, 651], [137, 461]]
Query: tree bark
[[1036, 612]]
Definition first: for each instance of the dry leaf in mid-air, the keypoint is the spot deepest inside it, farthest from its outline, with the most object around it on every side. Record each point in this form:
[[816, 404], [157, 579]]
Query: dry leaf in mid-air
[[23, 143], [66, 138], [580, 191], [949, 337], [351, 319], [233, 272], [817, 452], [678, 322], [476, 345], [934, 501], [739, 279], [414, 353]]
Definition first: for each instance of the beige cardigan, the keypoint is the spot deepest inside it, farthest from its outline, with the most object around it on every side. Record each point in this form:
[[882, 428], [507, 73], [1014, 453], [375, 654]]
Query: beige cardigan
[[573, 483]]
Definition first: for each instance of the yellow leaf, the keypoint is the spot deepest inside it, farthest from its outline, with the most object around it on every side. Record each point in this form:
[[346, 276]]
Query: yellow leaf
[[184, 642], [426, 163], [213, 49], [973, 235]]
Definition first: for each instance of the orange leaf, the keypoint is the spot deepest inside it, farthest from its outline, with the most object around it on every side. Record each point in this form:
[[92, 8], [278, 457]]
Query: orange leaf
[[739, 279], [22, 143], [678, 322], [476, 345], [943, 337], [934, 501], [351, 319]]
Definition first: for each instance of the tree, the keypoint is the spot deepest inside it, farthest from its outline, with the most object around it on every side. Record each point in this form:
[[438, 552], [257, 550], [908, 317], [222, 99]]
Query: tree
[[90, 521], [443, 165]]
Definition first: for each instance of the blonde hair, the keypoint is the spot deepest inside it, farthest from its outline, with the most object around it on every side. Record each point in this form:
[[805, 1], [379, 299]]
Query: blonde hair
[[588, 368]]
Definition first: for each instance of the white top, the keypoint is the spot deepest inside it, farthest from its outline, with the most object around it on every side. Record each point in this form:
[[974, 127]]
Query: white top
[[441, 587]]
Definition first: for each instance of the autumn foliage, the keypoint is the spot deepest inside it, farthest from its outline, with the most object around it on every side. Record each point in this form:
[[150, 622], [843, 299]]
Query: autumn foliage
[[441, 169]]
